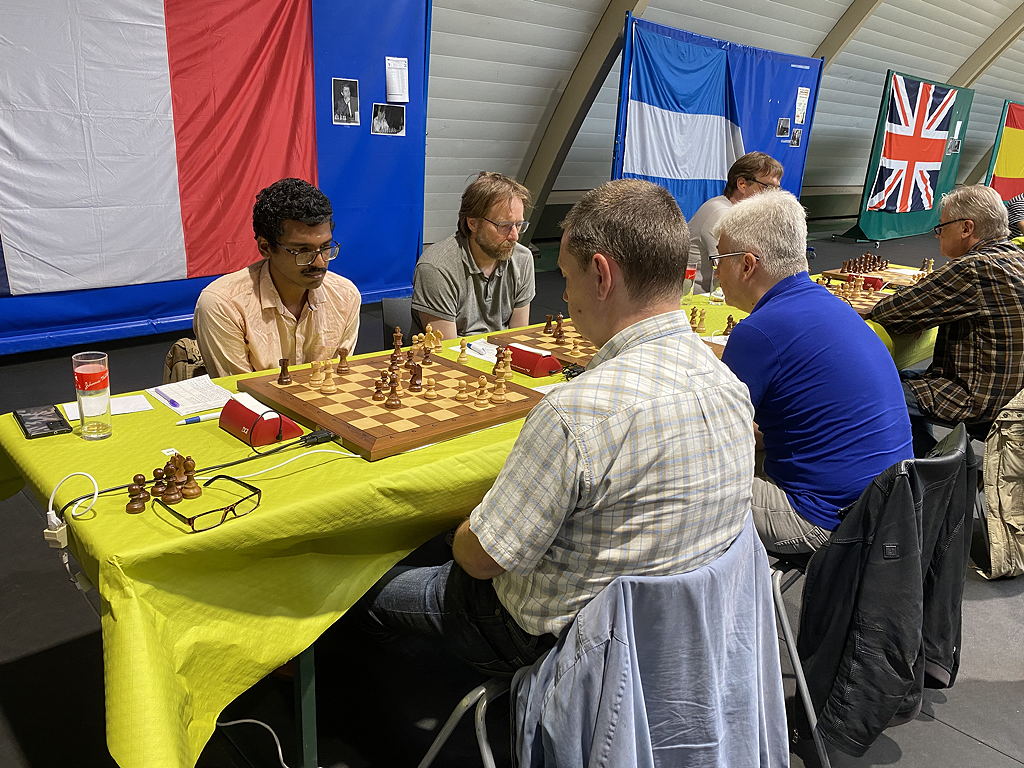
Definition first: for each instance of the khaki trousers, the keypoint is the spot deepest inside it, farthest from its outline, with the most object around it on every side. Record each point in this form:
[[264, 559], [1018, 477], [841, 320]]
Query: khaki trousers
[[782, 530]]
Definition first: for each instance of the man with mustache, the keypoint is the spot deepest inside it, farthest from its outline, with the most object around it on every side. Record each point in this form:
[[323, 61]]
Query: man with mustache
[[479, 279], [287, 305]]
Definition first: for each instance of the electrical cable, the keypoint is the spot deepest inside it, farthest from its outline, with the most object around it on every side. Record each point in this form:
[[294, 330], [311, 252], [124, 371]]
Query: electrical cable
[[249, 721]]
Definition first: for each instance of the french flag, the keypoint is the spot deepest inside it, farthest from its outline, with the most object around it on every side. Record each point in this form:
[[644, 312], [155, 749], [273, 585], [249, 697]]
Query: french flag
[[133, 142]]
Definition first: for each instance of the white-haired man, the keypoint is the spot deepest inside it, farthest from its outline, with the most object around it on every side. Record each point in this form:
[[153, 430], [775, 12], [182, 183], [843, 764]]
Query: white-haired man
[[828, 407], [977, 302]]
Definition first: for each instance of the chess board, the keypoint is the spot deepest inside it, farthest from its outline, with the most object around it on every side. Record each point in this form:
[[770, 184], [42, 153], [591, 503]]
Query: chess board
[[559, 349], [889, 276], [368, 428], [865, 302]]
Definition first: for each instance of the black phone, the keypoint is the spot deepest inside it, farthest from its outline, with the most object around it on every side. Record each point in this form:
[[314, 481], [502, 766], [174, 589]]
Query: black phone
[[42, 420]]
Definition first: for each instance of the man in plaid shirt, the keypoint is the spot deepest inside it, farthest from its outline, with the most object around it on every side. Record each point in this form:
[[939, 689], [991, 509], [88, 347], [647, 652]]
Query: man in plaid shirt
[[642, 465], [977, 302]]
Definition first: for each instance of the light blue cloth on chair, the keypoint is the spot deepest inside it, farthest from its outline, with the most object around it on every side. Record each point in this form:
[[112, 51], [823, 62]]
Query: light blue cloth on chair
[[663, 671]]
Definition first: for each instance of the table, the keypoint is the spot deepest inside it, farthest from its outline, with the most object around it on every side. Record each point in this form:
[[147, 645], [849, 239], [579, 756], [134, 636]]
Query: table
[[188, 621]]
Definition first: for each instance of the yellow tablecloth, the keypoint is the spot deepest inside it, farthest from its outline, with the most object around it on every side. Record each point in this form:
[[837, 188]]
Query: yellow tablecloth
[[190, 621]]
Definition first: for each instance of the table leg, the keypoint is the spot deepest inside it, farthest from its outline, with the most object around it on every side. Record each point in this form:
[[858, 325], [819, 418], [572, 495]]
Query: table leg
[[305, 707]]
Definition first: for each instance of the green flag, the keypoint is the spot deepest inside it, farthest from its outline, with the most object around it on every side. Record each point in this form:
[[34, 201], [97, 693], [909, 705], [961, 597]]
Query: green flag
[[914, 158]]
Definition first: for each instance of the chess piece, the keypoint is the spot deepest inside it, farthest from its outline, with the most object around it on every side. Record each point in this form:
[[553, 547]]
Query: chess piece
[[426, 355], [397, 336], [328, 387], [410, 359], [284, 378], [499, 360], [693, 318], [498, 396], [481, 391], [172, 494], [431, 393], [316, 376], [547, 325], [730, 323], [463, 394], [343, 366], [416, 378], [393, 401], [136, 503], [559, 333], [463, 354], [140, 480], [179, 469], [574, 351], [191, 489], [159, 486], [700, 321], [378, 391]]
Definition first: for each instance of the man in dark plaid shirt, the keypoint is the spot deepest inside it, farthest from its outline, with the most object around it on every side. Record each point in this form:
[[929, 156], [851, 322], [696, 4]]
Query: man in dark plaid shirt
[[977, 302]]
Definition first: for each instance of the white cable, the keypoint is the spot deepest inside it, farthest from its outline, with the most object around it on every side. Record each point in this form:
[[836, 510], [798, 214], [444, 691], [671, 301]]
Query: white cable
[[346, 454], [54, 522], [277, 743]]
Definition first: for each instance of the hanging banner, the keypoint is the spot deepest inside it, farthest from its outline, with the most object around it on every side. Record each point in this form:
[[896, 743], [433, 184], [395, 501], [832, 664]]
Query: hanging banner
[[914, 158], [1006, 170], [690, 105]]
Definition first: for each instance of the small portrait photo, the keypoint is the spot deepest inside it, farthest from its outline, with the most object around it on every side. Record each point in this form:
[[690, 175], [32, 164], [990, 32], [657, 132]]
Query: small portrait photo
[[782, 128], [346, 101], [388, 119], [795, 137]]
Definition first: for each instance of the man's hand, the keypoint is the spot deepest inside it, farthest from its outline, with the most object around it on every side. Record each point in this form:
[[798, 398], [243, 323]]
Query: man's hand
[[471, 556]]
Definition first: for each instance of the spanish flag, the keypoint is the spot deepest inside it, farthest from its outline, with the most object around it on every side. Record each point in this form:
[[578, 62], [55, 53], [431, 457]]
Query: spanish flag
[[1007, 171]]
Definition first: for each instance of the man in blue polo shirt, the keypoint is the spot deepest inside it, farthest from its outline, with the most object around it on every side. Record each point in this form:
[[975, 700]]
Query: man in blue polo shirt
[[829, 409]]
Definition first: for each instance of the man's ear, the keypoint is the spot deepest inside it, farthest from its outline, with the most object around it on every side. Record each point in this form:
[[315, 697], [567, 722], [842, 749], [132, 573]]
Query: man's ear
[[606, 271], [472, 224], [264, 246], [749, 264], [968, 229]]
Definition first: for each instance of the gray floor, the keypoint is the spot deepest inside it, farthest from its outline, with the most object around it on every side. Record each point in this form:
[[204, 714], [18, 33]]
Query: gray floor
[[51, 702]]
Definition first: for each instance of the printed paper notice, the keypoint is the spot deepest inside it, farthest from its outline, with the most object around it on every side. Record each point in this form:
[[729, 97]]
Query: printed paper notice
[[803, 95], [397, 73]]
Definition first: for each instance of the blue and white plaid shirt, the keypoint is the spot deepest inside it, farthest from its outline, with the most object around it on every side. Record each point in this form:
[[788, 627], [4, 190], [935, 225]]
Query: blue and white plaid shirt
[[641, 465]]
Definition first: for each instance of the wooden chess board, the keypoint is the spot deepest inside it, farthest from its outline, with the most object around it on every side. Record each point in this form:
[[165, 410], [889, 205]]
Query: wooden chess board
[[887, 276], [375, 432], [559, 349], [865, 302]]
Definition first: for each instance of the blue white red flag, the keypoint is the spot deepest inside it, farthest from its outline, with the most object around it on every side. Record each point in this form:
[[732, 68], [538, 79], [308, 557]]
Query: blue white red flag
[[916, 131]]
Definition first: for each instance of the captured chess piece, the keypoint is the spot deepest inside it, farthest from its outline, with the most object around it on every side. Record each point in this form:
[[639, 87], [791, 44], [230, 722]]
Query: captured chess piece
[[140, 480], [463, 354], [136, 501], [343, 366], [191, 489], [284, 378], [159, 485], [171, 494]]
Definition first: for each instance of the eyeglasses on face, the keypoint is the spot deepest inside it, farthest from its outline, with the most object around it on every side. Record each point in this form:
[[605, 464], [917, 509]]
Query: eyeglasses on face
[[764, 184], [504, 227], [937, 229], [327, 251], [715, 259], [213, 518]]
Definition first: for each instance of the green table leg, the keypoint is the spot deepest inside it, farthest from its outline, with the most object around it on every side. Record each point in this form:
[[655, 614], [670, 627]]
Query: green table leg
[[305, 707]]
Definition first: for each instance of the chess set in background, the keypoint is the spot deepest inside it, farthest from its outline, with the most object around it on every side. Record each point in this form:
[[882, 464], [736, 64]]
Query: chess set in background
[[392, 402], [869, 265]]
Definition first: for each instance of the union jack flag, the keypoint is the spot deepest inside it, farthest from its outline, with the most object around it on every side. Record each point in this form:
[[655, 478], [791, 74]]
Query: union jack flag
[[916, 130]]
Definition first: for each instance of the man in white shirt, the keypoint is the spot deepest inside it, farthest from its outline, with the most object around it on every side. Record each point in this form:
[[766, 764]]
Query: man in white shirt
[[750, 174]]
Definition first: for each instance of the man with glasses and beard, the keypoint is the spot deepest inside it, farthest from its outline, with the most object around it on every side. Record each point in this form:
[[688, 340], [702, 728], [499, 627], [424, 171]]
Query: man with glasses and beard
[[287, 305], [479, 279]]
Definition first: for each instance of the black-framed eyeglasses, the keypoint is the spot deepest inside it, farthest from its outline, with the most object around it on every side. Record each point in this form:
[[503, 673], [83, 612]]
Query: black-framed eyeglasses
[[303, 258], [213, 518], [718, 257], [937, 229], [504, 227], [764, 184]]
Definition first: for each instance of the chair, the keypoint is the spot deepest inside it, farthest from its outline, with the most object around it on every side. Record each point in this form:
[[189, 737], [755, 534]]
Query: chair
[[183, 361], [935, 491], [478, 698], [398, 313], [639, 644]]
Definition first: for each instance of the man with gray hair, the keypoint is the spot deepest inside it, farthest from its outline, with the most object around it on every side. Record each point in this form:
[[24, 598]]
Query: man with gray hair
[[977, 302], [640, 465], [828, 408]]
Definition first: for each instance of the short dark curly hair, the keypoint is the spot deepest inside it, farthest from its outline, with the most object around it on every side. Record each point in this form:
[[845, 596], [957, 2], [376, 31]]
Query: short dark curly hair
[[289, 199]]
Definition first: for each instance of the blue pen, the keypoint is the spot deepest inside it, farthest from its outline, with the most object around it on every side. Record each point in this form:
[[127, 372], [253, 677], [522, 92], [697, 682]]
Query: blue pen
[[197, 419], [170, 400]]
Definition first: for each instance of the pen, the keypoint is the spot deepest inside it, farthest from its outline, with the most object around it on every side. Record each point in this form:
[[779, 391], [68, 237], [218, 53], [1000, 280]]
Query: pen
[[197, 419], [170, 400]]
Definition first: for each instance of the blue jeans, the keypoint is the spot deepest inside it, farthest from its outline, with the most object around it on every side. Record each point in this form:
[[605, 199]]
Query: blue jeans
[[920, 422], [446, 603]]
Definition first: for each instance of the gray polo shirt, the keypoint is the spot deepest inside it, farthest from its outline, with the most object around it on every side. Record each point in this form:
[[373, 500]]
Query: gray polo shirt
[[448, 284]]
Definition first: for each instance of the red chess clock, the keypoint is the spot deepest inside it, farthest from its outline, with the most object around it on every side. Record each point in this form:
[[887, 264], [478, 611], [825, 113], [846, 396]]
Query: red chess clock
[[533, 362], [254, 423]]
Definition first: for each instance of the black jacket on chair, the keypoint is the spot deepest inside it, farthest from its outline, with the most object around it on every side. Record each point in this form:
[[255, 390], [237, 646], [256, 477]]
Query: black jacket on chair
[[881, 604]]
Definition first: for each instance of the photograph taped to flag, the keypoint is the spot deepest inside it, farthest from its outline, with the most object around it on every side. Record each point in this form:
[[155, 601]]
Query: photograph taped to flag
[[916, 130]]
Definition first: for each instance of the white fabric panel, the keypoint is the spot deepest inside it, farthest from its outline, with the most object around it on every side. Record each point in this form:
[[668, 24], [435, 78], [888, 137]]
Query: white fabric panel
[[661, 143], [88, 174]]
